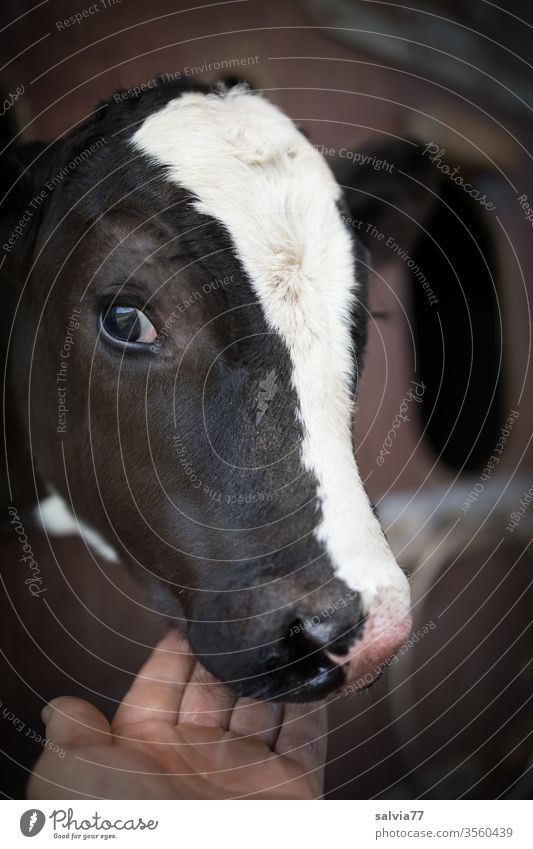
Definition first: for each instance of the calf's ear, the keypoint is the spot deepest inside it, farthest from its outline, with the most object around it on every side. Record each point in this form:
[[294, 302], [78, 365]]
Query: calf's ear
[[20, 216], [21, 203], [390, 190]]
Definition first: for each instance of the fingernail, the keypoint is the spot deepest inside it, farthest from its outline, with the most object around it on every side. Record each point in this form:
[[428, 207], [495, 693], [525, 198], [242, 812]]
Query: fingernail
[[45, 714]]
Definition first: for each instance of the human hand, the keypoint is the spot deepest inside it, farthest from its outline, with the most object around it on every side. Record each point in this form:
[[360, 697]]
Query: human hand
[[180, 734]]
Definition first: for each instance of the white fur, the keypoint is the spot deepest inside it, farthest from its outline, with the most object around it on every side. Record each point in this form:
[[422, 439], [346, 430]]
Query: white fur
[[255, 173], [57, 520]]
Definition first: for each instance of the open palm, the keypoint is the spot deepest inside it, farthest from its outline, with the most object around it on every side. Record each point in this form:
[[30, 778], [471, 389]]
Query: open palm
[[180, 734]]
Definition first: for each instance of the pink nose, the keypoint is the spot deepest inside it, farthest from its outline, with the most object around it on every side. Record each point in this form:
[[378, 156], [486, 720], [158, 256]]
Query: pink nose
[[385, 632]]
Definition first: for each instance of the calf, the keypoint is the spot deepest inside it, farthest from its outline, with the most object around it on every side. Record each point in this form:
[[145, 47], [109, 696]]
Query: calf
[[186, 314]]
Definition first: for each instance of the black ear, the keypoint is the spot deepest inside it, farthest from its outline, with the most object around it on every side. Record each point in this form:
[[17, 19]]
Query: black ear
[[390, 190], [20, 216], [22, 196]]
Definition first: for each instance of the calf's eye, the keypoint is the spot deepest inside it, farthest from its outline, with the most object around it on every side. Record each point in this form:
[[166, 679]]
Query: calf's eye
[[128, 324]]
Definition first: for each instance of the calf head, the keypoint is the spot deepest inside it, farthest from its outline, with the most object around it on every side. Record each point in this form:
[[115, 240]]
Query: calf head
[[188, 312]]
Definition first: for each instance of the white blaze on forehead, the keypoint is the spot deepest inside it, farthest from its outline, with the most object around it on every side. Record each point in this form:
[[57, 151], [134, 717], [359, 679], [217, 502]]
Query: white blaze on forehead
[[257, 175]]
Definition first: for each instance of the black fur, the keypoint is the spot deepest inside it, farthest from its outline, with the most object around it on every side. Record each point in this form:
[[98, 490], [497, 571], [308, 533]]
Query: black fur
[[233, 560]]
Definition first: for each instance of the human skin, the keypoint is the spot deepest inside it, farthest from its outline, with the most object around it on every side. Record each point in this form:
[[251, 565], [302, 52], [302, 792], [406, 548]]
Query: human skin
[[180, 734]]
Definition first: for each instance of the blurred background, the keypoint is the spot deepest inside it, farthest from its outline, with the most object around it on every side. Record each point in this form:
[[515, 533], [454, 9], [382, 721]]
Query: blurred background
[[453, 716]]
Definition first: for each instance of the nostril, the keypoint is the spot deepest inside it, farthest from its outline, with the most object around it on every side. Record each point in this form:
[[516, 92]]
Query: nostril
[[334, 628], [344, 641], [337, 638]]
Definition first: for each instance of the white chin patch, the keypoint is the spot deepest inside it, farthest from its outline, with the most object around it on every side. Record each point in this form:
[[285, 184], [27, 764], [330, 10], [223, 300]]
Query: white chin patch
[[257, 175]]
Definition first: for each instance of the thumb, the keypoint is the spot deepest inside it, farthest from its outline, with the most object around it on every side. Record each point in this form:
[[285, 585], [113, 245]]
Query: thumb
[[74, 722]]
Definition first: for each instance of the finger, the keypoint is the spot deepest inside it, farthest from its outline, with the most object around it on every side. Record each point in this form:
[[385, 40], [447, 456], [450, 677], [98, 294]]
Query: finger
[[260, 720], [74, 722], [158, 687], [303, 734], [206, 701]]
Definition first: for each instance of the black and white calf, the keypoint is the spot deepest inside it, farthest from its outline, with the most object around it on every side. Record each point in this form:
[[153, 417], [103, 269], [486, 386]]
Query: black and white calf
[[192, 247]]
